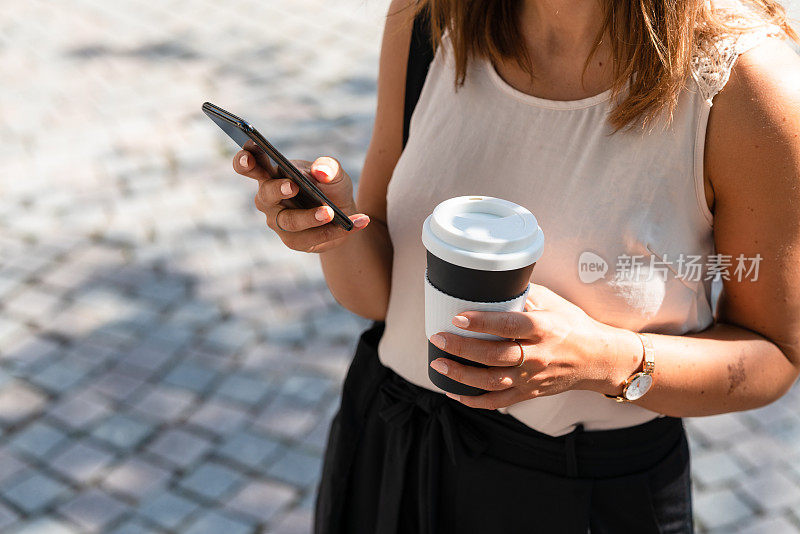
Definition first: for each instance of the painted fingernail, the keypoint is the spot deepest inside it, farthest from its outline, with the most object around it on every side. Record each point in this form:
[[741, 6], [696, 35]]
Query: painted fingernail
[[321, 214], [453, 396], [439, 341], [325, 170], [439, 366], [243, 160], [460, 320], [360, 221], [286, 188]]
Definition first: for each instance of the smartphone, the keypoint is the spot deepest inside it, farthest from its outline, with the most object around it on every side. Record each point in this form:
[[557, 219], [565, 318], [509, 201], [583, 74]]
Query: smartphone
[[249, 138]]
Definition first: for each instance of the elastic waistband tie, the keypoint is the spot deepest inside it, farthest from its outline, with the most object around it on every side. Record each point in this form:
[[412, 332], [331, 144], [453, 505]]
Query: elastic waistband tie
[[423, 417], [569, 450]]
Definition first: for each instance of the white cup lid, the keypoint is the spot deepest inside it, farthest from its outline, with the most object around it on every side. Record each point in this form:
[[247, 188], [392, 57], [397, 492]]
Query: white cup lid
[[486, 233]]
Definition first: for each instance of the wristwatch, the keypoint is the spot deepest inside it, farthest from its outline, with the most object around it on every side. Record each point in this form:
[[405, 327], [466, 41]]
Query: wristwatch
[[639, 383]]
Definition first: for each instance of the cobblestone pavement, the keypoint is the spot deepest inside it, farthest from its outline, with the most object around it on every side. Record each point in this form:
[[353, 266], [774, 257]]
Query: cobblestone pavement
[[166, 365]]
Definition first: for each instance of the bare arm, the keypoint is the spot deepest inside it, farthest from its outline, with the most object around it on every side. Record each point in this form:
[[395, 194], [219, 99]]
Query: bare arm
[[358, 271], [751, 356]]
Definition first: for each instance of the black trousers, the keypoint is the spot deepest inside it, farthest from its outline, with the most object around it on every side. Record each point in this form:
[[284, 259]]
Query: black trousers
[[403, 459]]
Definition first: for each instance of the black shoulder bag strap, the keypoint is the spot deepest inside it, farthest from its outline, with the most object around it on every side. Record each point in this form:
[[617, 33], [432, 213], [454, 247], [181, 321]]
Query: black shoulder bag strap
[[420, 55]]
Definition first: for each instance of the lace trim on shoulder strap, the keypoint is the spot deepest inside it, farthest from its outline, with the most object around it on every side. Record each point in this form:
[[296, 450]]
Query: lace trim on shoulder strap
[[713, 60]]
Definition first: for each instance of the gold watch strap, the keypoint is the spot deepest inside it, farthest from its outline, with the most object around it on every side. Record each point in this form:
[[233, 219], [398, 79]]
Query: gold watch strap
[[648, 366], [649, 353]]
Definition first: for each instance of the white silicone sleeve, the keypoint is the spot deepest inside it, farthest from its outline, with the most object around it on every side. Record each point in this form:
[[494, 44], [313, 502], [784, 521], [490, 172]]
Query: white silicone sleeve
[[441, 307]]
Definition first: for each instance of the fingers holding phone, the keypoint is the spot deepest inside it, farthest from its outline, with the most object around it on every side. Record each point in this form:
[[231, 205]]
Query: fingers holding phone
[[309, 229], [252, 162]]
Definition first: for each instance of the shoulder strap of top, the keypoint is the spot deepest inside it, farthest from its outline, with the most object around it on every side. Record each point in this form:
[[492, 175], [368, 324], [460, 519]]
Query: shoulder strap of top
[[713, 59], [420, 55]]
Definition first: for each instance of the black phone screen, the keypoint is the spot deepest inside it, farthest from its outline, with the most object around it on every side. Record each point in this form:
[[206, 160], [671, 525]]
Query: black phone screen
[[249, 138]]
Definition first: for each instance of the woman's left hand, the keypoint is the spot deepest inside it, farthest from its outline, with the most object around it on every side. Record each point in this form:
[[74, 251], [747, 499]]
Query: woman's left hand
[[562, 349]]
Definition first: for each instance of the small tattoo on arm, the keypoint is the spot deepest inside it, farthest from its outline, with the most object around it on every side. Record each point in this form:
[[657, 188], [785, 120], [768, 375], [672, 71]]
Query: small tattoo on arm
[[736, 375]]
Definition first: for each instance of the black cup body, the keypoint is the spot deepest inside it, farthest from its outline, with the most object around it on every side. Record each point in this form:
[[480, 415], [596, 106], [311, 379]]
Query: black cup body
[[475, 285]]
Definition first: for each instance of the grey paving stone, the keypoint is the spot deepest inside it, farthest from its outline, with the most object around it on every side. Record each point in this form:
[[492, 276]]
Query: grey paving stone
[[46, 525], [214, 522], [230, 336], [163, 291], [244, 388], [82, 462], [792, 461], [164, 403], [317, 438], [136, 477], [337, 326], [249, 449], [721, 509], [269, 359], [211, 480], [7, 517], [80, 409], [123, 430], [38, 439], [195, 313], [305, 389], [715, 468], [30, 352], [770, 525], [286, 420], [117, 385], [759, 451], [5, 377], [170, 336], [134, 526], [19, 401], [32, 304], [191, 376], [167, 509], [298, 521], [768, 415], [262, 499], [9, 285], [100, 347], [60, 376], [179, 447], [721, 429], [773, 490], [309, 500], [12, 333], [329, 358], [10, 465], [293, 332], [33, 491], [296, 467], [93, 509], [148, 357], [787, 430], [219, 416]]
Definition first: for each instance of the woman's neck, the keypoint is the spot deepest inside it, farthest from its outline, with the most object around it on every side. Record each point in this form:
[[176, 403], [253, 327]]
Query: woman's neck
[[559, 35], [563, 29]]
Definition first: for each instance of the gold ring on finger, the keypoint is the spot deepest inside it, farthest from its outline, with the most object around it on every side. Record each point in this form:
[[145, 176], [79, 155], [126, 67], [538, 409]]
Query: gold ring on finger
[[521, 354]]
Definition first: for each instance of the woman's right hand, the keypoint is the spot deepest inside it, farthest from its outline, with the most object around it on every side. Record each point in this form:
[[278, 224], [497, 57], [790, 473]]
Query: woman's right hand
[[300, 229]]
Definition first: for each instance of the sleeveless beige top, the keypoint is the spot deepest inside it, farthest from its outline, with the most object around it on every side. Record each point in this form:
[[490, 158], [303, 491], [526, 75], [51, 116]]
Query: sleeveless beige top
[[598, 196]]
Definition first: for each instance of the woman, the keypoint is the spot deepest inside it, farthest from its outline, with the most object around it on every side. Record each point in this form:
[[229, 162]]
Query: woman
[[598, 117]]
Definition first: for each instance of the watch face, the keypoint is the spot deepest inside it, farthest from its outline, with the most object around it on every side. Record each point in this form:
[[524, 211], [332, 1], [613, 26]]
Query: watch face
[[638, 386]]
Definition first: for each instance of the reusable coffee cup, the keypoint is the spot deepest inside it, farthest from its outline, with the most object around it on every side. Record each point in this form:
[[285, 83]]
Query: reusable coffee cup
[[480, 255]]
